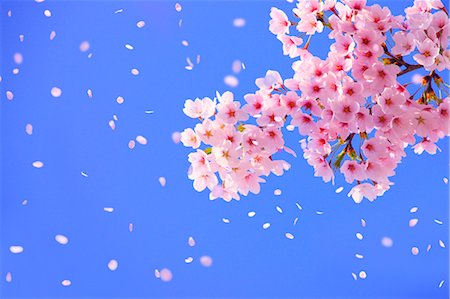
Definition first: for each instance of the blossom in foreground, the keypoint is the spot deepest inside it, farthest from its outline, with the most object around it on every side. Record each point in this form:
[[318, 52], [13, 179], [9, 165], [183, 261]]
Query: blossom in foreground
[[357, 114]]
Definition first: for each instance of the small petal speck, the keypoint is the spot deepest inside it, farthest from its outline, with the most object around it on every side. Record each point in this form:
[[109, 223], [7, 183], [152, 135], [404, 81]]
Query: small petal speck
[[289, 236], [178, 7], [38, 164], [89, 93], [9, 95], [359, 256], [251, 214], [162, 181], [189, 260], [52, 35], [157, 274], [415, 251], [445, 180], [441, 284], [8, 277], [319, 212], [428, 247], [16, 249], [266, 225], [226, 220], [66, 283], [239, 22], [354, 276], [279, 210], [206, 261], [56, 92], [61, 239], [413, 222], [339, 190], [413, 209], [84, 174], [141, 140], [113, 265], [438, 221], [134, 72], [277, 192], [29, 129], [120, 100], [140, 24], [84, 46], [363, 222], [191, 242], [359, 236], [47, 13], [165, 275], [130, 227], [387, 242], [108, 209], [441, 243], [362, 275], [131, 144], [299, 206], [231, 81]]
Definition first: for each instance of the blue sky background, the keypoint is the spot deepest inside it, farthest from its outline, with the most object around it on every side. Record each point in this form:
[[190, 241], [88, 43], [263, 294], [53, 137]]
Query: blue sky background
[[71, 134]]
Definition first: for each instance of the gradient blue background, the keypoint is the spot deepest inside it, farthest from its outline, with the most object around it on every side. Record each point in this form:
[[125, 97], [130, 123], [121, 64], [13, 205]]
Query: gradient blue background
[[71, 134]]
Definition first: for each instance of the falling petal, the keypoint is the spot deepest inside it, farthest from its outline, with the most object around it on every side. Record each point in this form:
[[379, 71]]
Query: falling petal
[[130, 227], [165, 275], [438, 221], [289, 236], [178, 7], [9, 95], [231, 81], [445, 180], [18, 58], [112, 265], [415, 251], [185, 43], [52, 35], [236, 67], [108, 209], [61, 239], [243, 66], [135, 72], [21, 37], [24, 202], [354, 276], [119, 10], [299, 206], [89, 93], [441, 284], [339, 190], [428, 247], [15, 71], [279, 209], [176, 137], [266, 225], [277, 192], [362, 275], [149, 111], [115, 117], [413, 209], [16, 249], [363, 222], [191, 241], [417, 79], [56, 92], [140, 24], [239, 22], [413, 222], [157, 274], [188, 260], [84, 174], [29, 129], [319, 212], [251, 214], [47, 13], [131, 144], [162, 181], [38, 164], [84, 46], [206, 261], [387, 242], [112, 125], [359, 256], [66, 283], [359, 236], [180, 22], [188, 67], [441, 243], [198, 59], [129, 47], [8, 277], [141, 140], [226, 220], [120, 100]]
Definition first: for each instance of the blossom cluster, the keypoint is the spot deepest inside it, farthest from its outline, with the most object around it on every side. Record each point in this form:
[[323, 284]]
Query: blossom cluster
[[356, 114]]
